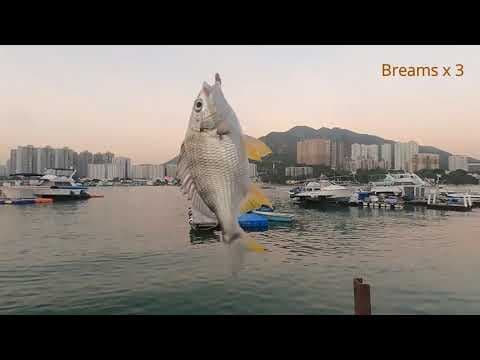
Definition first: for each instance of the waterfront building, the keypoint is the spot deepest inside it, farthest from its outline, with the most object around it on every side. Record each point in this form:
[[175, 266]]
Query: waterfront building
[[422, 161], [158, 172], [456, 162], [110, 171], [142, 171], [26, 159], [97, 171], [299, 171], [84, 159], [171, 170], [122, 166], [41, 164], [13, 161], [62, 158], [474, 167]]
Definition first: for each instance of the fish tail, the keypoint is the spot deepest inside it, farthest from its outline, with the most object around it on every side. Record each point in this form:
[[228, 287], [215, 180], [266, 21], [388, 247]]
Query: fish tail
[[241, 239]]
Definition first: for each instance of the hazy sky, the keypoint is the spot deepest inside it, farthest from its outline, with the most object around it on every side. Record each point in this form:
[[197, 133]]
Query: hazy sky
[[135, 100]]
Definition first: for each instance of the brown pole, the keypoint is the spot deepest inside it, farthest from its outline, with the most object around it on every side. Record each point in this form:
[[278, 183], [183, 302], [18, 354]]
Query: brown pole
[[361, 294]]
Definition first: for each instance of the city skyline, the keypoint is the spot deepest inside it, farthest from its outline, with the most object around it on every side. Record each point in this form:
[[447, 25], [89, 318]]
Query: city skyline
[[137, 99], [30, 159]]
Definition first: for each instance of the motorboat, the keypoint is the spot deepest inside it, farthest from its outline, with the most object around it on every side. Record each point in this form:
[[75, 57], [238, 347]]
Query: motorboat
[[324, 191], [105, 183], [56, 184], [406, 185], [454, 197], [295, 191]]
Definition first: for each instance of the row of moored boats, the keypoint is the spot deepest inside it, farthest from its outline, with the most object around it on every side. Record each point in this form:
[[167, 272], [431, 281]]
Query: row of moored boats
[[394, 191]]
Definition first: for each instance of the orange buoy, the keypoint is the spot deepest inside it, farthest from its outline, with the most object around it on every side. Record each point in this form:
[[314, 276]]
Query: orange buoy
[[43, 200]]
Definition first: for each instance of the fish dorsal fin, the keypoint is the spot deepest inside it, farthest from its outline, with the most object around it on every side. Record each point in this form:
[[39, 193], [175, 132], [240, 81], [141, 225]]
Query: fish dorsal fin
[[255, 198], [256, 149]]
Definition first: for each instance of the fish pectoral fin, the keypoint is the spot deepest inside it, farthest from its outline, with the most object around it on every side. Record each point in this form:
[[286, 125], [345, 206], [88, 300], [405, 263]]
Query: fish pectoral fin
[[256, 149], [255, 198]]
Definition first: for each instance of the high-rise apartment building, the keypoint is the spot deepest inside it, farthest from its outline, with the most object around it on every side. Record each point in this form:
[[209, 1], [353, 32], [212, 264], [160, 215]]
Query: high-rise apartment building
[[26, 159], [403, 154], [456, 162], [97, 171], [158, 172], [171, 170], [122, 167], [299, 171], [3, 171], [386, 154], [364, 156], [422, 161], [13, 161], [314, 152], [84, 159], [337, 154]]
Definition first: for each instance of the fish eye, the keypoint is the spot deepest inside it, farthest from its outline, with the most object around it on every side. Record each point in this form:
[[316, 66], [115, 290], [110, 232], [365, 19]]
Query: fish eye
[[198, 105]]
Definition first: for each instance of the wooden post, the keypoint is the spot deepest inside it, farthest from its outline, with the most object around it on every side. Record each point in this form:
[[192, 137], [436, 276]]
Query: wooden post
[[361, 294]]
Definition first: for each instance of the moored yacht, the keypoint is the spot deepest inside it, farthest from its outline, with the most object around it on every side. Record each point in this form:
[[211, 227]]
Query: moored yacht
[[324, 191], [407, 185], [56, 184]]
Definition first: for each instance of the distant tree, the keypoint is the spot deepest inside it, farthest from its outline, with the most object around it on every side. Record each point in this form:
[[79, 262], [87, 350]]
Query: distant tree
[[459, 177], [430, 173]]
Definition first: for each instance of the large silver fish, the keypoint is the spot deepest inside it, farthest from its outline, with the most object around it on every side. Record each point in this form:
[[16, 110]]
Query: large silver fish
[[213, 164]]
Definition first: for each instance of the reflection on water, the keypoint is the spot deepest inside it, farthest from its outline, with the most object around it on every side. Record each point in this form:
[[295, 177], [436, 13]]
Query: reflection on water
[[205, 237], [134, 252]]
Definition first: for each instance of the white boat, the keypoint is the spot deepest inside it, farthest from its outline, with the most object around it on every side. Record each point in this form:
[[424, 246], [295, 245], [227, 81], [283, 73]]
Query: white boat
[[324, 191], [475, 197], [406, 185], [56, 184], [105, 183], [275, 217]]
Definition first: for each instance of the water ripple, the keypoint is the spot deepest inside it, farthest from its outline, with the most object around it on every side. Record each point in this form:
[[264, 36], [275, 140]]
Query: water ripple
[[129, 253]]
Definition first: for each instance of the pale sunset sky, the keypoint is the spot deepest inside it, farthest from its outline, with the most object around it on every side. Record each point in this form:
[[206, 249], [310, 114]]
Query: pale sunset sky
[[136, 100]]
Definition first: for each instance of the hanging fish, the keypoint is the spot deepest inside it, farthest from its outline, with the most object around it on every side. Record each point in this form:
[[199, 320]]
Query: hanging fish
[[213, 165]]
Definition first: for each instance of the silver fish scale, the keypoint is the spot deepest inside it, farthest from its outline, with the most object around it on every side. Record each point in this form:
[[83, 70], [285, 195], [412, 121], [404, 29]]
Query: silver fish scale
[[218, 173]]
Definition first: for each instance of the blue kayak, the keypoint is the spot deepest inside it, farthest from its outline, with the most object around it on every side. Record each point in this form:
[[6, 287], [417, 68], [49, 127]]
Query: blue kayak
[[253, 222], [275, 217]]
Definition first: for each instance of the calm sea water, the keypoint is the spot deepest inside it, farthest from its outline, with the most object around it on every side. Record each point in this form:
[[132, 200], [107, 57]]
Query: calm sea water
[[132, 252]]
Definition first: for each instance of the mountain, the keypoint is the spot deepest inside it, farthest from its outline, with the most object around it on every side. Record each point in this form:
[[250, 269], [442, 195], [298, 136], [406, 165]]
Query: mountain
[[285, 143]]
